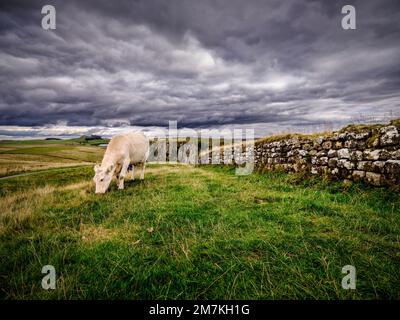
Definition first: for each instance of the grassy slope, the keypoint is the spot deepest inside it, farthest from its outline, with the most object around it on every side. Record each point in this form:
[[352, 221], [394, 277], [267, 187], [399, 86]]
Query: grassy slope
[[197, 233], [25, 156]]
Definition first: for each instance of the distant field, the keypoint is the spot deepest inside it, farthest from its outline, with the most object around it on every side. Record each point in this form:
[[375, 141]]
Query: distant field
[[25, 156], [191, 233]]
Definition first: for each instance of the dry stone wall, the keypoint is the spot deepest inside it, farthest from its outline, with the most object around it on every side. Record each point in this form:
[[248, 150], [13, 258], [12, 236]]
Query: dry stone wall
[[368, 154]]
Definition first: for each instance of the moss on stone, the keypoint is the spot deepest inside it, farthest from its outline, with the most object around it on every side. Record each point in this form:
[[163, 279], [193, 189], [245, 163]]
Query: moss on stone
[[299, 136], [358, 128], [375, 135], [355, 128], [395, 122]]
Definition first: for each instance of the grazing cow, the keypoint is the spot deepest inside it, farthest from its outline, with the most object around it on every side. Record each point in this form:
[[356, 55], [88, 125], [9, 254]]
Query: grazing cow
[[122, 151]]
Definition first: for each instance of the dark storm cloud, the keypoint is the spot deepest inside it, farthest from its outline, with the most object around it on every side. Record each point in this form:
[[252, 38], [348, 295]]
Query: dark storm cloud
[[286, 64]]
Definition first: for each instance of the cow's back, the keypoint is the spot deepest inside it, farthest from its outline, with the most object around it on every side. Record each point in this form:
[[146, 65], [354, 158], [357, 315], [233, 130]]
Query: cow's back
[[138, 146], [134, 145]]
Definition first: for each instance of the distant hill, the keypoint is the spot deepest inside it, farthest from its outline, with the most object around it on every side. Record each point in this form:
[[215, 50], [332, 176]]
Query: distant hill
[[92, 140], [91, 137]]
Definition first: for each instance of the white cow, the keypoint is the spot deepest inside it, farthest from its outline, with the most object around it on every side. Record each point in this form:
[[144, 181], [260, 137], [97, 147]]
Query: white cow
[[123, 150]]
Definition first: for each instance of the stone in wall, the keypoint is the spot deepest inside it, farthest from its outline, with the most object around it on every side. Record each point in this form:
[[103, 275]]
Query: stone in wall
[[343, 153], [373, 178], [390, 136], [358, 175]]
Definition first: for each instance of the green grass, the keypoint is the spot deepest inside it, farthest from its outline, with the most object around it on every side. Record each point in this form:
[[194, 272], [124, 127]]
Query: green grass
[[197, 233], [18, 157], [36, 150], [73, 141]]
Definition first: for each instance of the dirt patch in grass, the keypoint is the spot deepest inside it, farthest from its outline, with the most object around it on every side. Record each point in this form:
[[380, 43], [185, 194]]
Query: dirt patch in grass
[[269, 199]]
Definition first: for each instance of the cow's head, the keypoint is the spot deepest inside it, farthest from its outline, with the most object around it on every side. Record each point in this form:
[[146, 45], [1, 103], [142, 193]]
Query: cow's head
[[102, 177]]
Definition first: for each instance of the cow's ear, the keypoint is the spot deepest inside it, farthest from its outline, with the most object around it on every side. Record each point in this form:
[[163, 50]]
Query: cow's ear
[[96, 168]]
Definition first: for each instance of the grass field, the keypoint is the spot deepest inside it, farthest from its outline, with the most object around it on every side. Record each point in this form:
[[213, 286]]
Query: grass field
[[18, 157], [192, 233]]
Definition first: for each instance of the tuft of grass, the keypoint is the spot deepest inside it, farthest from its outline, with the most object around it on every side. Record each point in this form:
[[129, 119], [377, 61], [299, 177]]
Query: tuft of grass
[[300, 136], [395, 122], [357, 128]]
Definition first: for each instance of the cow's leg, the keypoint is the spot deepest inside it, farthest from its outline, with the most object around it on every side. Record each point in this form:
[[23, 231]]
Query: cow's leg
[[133, 172], [122, 174], [142, 173], [117, 171]]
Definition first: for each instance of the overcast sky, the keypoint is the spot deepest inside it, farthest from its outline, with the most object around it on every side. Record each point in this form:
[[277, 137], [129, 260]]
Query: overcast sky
[[269, 65]]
